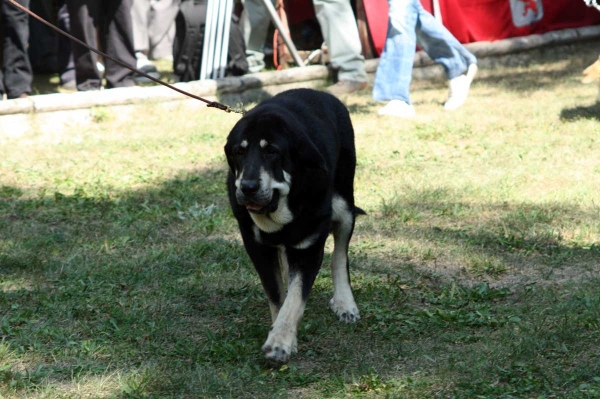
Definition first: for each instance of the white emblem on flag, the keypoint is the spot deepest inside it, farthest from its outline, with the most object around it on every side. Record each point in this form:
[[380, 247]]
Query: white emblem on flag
[[526, 12]]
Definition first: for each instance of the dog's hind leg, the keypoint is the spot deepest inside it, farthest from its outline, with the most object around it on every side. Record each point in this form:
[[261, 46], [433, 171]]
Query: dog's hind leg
[[342, 303]]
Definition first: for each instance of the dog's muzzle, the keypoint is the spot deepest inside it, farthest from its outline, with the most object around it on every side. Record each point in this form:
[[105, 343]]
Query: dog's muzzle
[[256, 200]]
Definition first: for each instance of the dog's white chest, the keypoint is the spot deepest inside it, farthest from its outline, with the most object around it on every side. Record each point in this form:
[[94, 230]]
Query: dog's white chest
[[273, 222]]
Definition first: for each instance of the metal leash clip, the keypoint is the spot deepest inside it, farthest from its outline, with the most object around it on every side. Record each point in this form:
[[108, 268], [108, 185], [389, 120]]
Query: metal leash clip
[[240, 110]]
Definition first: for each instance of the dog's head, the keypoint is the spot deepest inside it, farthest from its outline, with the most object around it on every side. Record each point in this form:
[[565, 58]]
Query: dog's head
[[264, 150], [592, 72]]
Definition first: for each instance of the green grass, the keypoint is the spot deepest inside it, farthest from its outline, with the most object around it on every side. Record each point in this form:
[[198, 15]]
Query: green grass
[[122, 274]]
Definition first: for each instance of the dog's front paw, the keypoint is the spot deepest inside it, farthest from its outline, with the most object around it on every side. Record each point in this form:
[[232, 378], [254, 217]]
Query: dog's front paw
[[279, 346], [345, 310]]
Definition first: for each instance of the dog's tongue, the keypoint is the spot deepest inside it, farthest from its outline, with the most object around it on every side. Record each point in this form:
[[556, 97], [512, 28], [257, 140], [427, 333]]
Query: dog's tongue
[[253, 207]]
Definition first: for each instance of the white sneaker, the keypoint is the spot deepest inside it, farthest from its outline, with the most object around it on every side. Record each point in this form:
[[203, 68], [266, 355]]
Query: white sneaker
[[398, 108], [142, 61], [459, 88]]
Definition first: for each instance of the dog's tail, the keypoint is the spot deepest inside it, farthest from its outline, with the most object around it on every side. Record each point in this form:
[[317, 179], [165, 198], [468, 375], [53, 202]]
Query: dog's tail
[[358, 211]]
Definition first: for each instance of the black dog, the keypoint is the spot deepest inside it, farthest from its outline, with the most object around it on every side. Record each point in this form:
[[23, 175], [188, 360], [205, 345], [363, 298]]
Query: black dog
[[291, 182]]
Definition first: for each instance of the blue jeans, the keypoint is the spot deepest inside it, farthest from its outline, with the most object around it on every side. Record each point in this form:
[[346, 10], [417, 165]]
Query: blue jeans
[[409, 25]]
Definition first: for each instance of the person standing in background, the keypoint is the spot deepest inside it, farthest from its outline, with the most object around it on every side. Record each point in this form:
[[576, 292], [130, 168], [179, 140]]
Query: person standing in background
[[339, 29], [410, 25], [112, 19], [16, 73], [153, 33]]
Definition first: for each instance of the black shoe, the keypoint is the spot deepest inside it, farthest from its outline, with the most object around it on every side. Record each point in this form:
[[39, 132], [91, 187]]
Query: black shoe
[[150, 70]]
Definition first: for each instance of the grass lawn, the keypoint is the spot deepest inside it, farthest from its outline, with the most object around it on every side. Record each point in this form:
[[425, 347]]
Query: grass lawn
[[477, 269]]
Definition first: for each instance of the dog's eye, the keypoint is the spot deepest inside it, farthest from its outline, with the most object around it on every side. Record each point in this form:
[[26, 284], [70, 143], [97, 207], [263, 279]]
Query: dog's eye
[[239, 151]]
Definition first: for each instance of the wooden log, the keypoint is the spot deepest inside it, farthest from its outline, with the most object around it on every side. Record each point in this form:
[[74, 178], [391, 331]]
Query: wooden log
[[17, 106]]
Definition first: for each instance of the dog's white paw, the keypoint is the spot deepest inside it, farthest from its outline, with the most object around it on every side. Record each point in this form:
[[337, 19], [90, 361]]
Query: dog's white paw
[[346, 310], [280, 345]]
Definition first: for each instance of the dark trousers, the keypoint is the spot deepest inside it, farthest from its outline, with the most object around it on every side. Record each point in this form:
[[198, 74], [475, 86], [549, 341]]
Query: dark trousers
[[16, 74], [112, 19], [64, 57]]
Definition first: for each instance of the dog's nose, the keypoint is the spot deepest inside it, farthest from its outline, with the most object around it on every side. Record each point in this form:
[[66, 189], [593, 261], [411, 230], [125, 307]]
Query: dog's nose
[[249, 187]]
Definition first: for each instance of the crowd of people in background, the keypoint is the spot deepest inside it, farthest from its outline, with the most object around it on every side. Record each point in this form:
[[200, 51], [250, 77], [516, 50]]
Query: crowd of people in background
[[139, 31], [132, 31]]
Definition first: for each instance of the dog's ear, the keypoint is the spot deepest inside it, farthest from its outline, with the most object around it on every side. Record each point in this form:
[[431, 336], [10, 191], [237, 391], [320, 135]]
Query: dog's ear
[[227, 150], [234, 137], [307, 154], [304, 153], [310, 168]]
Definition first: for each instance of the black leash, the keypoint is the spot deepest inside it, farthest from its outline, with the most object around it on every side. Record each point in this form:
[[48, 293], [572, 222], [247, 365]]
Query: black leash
[[209, 103]]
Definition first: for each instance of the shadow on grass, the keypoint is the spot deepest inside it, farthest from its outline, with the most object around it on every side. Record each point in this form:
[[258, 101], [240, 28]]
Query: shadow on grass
[[154, 286], [358, 109], [527, 81], [491, 240], [576, 113], [136, 284]]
